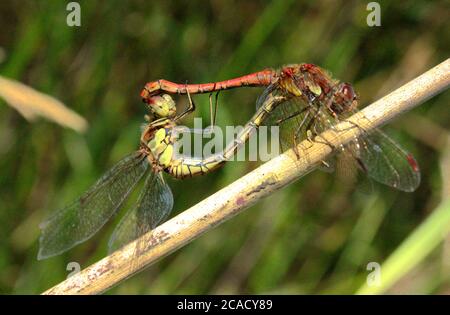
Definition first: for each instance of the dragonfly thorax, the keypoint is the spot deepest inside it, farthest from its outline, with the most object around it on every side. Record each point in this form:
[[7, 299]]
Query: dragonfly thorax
[[314, 83], [161, 147]]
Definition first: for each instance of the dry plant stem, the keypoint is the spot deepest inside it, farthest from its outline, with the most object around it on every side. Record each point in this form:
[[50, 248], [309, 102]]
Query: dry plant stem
[[31, 104], [247, 190]]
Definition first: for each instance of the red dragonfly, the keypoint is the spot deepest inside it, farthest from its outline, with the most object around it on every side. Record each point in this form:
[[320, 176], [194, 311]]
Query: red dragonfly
[[304, 100]]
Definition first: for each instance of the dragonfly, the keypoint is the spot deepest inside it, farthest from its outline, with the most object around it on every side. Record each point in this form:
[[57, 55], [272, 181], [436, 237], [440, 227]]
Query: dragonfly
[[304, 100], [156, 155]]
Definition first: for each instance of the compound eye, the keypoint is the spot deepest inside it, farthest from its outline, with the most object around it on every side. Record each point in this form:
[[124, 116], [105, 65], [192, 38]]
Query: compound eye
[[156, 102], [162, 105], [348, 92]]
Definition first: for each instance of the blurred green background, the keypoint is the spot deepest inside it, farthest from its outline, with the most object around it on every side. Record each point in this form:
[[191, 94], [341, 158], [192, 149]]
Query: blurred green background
[[316, 235]]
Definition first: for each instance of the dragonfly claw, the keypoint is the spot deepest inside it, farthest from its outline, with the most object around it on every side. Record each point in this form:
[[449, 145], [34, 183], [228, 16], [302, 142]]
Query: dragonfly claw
[[151, 89]]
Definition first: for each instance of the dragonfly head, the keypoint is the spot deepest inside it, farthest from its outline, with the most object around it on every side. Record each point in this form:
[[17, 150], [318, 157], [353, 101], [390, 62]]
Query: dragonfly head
[[345, 99], [162, 106]]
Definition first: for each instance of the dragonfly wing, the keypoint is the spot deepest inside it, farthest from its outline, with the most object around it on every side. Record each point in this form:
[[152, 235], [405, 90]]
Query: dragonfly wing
[[297, 118], [376, 154], [385, 161], [79, 221], [290, 116], [291, 125], [152, 208]]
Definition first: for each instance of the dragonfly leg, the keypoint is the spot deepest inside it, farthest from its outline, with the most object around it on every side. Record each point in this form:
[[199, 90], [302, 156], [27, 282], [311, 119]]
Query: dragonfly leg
[[282, 120], [325, 141], [297, 132], [317, 137], [354, 125], [151, 126], [211, 110], [212, 113], [188, 110], [311, 130]]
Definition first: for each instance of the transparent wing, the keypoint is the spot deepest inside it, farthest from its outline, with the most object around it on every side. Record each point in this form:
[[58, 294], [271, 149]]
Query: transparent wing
[[281, 116], [79, 221], [376, 154], [296, 119], [385, 161], [152, 208], [177, 130]]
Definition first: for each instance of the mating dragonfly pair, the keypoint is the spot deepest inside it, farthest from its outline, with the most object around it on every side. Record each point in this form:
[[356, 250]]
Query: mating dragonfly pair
[[303, 99]]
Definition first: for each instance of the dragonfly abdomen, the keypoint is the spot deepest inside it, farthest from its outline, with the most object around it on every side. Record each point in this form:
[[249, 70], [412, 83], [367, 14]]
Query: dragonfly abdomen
[[164, 156], [183, 167]]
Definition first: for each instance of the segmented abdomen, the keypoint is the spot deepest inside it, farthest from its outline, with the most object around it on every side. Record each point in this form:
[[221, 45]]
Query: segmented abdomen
[[179, 166]]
